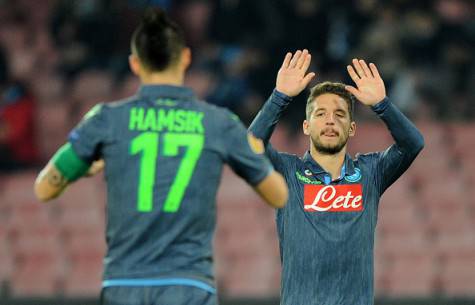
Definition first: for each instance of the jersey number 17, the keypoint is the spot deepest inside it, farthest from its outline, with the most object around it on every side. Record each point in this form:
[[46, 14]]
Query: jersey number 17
[[147, 143]]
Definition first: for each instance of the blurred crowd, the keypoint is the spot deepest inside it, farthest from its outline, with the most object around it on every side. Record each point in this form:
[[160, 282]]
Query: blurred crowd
[[70, 55]]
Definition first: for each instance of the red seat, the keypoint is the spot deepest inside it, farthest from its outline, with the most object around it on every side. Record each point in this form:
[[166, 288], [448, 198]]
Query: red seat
[[458, 276], [397, 245], [87, 193], [6, 257], [451, 220], [53, 122], [74, 220], [456, 243], [85, 245], [464, 139], [445, 195], [251, 277], [27, 217], [380, 271], [412, 275], [85, 277], [38, 276], [92, 86], [18, 189], [370, 137], [39, 241]]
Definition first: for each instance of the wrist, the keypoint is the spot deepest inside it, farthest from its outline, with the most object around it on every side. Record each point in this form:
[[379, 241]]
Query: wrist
[[280, 96], [380, 106]]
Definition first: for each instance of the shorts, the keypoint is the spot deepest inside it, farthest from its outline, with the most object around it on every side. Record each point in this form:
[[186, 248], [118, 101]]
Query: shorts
[[157, 295]]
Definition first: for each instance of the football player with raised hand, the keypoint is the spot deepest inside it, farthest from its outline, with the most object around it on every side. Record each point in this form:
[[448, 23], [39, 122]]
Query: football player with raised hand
[[326, 231]]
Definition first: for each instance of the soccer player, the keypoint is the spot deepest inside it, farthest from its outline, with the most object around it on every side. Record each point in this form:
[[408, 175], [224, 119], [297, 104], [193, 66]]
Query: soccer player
[[163, 152], [326, 230]]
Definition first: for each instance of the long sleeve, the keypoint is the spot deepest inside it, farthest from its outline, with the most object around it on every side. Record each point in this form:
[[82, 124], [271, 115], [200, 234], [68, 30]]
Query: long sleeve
[[395, 160], [264, 124]]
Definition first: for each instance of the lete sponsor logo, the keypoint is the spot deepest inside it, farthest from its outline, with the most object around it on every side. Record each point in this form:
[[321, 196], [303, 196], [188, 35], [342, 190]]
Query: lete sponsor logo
[[333, 198]]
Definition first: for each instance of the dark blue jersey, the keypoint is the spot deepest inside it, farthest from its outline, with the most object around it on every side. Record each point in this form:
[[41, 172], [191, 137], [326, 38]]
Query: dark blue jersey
[[164, 152], [326, 230]]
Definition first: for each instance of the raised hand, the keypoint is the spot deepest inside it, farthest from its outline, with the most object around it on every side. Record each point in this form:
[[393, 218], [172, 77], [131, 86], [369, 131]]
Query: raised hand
[[291, 78], [370, 86]]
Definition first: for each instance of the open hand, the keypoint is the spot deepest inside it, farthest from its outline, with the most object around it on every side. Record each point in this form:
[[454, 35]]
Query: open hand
[[370, 86], [291, 78]]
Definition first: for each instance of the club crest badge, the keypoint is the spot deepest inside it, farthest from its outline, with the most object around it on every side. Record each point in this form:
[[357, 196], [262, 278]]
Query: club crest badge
[[355, 177]]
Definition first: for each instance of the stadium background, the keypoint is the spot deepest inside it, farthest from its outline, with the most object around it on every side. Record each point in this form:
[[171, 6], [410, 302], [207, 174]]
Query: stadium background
[[65, 56]]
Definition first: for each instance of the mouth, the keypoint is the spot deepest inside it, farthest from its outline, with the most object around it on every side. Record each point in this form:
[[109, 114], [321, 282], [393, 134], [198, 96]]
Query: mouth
[[330, 133]]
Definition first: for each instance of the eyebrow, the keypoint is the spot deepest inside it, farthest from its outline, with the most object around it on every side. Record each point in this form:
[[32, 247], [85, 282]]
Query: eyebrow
[[338, 109]]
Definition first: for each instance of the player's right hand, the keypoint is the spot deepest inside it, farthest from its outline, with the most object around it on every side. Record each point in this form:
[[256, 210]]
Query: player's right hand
[[95, 168], [292, 78]]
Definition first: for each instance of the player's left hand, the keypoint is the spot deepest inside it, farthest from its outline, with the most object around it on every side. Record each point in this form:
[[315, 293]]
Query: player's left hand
[[370, 86]]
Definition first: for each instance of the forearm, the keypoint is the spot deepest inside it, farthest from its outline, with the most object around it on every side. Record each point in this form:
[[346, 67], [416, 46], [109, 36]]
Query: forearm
[[407, 137], [50, 183], [65, 167], [264, 123]]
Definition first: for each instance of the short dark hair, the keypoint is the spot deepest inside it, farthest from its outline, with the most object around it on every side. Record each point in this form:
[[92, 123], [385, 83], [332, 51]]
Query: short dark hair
[[157, 41], [330, 87]]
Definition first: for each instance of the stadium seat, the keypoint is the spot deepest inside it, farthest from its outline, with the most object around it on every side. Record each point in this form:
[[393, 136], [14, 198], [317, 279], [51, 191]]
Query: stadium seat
[[380, 271], [76, 219], [38, 276], [6, 257], [54, 124], [250, 277], [18, 188], [458, 276], [463, 139], [28, 216], [87, 193], [37, 241], [412, 276], [84, 278], [400, 245], [370, 137]]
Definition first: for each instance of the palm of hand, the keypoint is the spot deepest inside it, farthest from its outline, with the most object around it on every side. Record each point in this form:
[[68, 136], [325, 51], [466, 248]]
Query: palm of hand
[[370, 87], [290, 81], [371, 91], [291, 78]]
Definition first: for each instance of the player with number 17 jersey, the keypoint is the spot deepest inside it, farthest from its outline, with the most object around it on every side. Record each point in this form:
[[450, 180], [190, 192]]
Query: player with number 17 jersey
[[164, 153]]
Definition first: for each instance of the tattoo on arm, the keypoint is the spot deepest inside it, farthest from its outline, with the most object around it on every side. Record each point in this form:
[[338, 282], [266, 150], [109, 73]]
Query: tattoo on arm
[[55, 178]]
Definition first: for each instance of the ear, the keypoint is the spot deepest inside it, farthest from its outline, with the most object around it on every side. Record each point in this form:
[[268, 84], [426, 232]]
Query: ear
[[305, 127], [185, 58], [134, 64], [352, 129]]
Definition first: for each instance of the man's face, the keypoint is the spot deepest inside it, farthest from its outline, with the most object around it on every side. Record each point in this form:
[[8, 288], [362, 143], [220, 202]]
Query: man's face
[[329, 125]]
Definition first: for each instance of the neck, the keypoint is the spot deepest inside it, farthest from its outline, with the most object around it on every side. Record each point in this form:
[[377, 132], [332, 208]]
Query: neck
[[332, 164], [163, 78]]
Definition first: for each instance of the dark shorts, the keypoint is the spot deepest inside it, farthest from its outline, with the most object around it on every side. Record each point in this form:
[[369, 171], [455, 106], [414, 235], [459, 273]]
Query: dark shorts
[[157, 295]]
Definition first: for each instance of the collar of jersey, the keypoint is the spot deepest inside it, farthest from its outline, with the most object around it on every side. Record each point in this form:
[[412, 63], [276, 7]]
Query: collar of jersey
[[166, 91], [349, 167]]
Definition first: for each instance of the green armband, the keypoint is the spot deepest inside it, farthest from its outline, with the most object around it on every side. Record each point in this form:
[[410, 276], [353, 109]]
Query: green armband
[[69, 164]]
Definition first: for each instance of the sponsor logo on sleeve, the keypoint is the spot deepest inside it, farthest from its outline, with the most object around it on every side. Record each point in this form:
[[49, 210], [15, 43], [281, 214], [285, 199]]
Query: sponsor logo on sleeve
[[333, 198]]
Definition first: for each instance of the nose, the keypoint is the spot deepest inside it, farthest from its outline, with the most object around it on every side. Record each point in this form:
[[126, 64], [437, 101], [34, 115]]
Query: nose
[[330, 119]]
